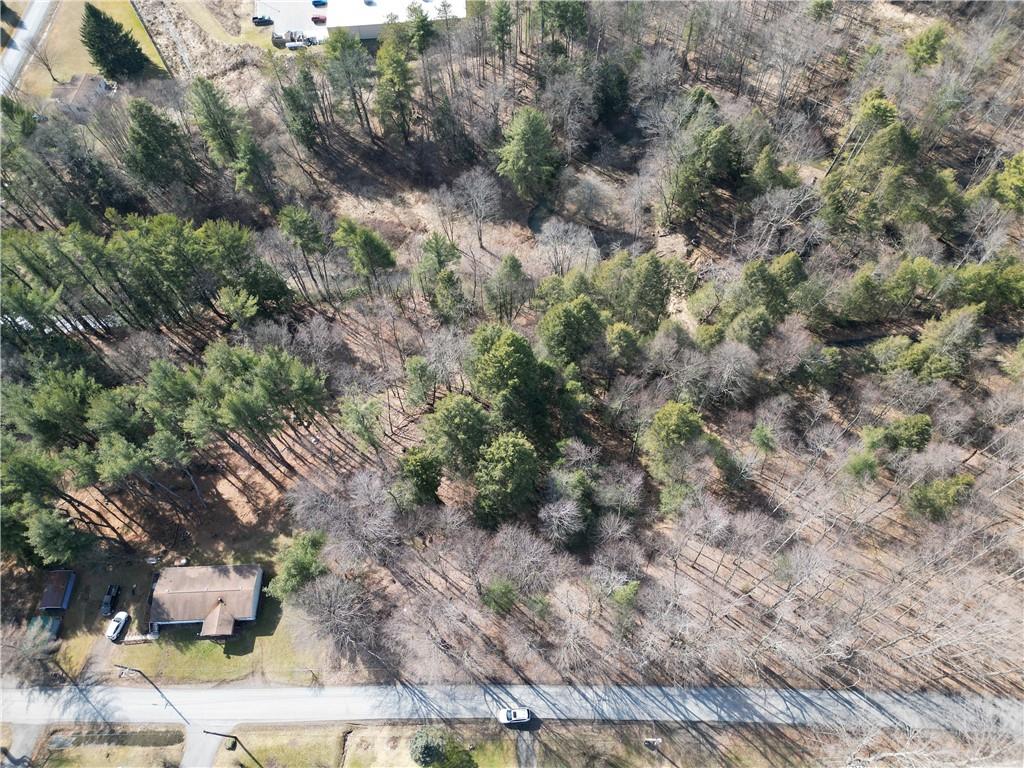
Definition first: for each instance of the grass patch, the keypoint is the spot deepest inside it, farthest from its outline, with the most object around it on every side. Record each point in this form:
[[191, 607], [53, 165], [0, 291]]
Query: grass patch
[[113, 755], [66, 50], [180, 656], [296, 747], [83, 626], [495, 752], [137, 748], [201, 15]]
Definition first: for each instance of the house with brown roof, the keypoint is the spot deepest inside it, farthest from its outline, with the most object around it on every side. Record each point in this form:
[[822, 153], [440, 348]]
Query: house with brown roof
[[216, 596]]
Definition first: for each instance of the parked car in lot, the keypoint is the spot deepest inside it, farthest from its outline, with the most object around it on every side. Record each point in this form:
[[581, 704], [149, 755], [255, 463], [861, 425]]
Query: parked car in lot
[[319, 3], [110, 600], [319, 19], [116, 625], [262, 21], [513, 716]]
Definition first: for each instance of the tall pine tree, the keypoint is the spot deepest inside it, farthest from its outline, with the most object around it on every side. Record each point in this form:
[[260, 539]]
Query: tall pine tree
[[113, 50], [528, 157]]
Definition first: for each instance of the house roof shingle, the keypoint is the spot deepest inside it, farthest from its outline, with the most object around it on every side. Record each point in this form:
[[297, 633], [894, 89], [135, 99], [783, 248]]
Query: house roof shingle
[[216, 595]]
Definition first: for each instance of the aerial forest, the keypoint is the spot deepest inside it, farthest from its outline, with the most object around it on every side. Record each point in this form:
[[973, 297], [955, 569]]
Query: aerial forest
[[669, 342]]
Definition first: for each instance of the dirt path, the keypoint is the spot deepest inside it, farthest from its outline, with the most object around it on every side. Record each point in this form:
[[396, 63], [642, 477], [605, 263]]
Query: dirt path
[[526, 749]]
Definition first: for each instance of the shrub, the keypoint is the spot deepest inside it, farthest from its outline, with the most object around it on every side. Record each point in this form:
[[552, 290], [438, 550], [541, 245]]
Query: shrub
[[1013, 365], [709, 336], [937, 499], [625, 596], [298, 565], [421, 468], [505, 478], [862, 466], [909, 434], [428, 745], [500, 596]]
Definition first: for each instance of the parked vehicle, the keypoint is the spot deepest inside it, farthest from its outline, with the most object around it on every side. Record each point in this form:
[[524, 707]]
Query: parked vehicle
[[319, 19], [514, 716], [319, 3], [262, 21], [109, 600], [116, 625], [294, 45]]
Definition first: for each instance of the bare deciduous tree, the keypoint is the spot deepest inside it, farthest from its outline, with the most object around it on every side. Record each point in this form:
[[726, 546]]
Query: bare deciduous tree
[[731, 368], [446, 206], [518, 555], [574, 650], [565, 245], [339, 611], [27, 652], [619, 487], [569, 101], [561, 520], [478, 197], [41, 52]]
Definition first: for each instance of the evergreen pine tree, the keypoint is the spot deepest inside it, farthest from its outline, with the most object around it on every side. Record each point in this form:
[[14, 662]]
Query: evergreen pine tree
[[113, 50], [528, 157], [217, 121], [158, 150]]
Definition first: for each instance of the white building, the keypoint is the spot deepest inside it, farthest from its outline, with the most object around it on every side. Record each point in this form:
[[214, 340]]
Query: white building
[[363, 18]]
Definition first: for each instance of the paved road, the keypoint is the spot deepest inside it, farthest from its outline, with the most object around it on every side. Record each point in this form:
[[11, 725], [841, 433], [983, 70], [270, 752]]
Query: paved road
[[23, 743], [200, 748], [204, 707], [16, 55]]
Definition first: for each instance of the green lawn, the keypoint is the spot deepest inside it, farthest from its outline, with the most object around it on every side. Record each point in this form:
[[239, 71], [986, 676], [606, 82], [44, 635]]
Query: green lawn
[[388, 745], [137, 748], [296, 747], [83, 626], [66, 50], [261, 647], [112, 755], [495, 752]]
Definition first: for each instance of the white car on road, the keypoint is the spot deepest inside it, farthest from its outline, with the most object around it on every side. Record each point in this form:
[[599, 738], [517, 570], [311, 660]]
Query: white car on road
[[513, 716], [116, 625]]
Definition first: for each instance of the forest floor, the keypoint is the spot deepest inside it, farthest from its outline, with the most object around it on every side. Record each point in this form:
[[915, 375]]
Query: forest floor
[[865, 537], [243, 518]]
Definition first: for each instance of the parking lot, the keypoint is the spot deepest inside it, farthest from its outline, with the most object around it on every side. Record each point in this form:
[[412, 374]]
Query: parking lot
[[363, 17]]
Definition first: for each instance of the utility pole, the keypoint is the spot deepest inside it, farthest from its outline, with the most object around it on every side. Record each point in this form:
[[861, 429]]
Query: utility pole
[[237, 741], [167, 701]]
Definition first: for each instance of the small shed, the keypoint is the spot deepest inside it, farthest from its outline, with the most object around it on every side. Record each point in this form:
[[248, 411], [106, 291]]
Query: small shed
[[57, 589]]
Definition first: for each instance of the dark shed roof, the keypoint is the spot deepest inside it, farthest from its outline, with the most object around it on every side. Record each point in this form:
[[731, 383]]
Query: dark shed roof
[[57, 590]]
